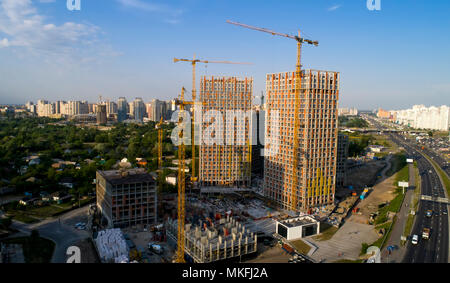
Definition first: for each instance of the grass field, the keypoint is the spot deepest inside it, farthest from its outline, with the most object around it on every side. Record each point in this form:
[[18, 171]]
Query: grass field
[[24, 218], [34, 214], [301, 247], [398, 161], [396, 203], [326, 232]]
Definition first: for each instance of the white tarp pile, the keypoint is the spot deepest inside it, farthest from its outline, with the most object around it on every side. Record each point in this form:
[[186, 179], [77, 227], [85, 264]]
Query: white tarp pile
[[112, 246]]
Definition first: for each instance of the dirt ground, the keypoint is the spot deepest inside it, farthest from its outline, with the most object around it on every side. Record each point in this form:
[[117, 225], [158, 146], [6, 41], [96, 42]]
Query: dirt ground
[[381, 193], [359, 178], [271, 255], [88, 253]]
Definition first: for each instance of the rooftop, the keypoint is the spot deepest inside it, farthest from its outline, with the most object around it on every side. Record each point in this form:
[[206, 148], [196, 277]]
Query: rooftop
[[119, 177], [299, 221]]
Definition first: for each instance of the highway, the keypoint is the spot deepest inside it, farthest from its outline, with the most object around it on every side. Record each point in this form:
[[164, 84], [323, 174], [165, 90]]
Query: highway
[[438, 159], [435, 249]]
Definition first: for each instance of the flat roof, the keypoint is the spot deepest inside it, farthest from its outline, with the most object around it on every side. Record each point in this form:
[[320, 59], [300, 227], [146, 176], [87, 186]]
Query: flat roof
[[298, 221], [119, 177]]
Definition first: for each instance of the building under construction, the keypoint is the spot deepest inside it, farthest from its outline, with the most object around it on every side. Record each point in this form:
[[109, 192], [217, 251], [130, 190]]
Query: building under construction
[[342, 155], [317, 139], [127, 197], [222, 240], [229, 145]]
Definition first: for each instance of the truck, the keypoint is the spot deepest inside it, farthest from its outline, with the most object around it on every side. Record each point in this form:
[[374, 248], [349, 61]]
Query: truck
[[426, 233]]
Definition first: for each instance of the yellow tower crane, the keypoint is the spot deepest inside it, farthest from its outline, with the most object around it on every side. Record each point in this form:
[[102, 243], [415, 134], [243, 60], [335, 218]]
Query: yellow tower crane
[[298, 80], [181, 186], [194, 97]]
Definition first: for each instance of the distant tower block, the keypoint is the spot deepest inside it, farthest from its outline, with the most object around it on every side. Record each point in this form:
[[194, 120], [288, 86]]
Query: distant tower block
[[101, 115]]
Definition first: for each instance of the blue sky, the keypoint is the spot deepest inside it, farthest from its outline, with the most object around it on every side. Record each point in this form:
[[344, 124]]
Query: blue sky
[[392, 58]]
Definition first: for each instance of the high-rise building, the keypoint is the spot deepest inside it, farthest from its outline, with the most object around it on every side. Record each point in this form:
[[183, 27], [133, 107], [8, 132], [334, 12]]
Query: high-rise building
[[226, 162], [421, 117], [347, 112], [44, 108], [74, 108], [342, 155], [139, 109], [111, 108], [156, 109], [317, 139], [102, 114], [122, 109], [127, 198], [131, 109]]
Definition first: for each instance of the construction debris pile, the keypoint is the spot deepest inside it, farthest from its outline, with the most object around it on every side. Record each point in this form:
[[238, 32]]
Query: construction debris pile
[[112, 247], [214, 241]]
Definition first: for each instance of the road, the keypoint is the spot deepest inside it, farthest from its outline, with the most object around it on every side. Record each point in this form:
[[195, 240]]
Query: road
[[441, 162], [60, 230], [434, 250]]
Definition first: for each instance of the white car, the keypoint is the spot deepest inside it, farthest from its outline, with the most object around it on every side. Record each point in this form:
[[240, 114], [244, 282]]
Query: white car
[[415, 240]]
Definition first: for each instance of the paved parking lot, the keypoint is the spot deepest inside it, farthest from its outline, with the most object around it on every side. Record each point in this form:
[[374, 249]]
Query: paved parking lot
[[345, 244]]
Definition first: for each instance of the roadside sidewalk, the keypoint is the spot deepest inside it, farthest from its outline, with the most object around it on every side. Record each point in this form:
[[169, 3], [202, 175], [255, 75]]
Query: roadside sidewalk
[[397, 254]]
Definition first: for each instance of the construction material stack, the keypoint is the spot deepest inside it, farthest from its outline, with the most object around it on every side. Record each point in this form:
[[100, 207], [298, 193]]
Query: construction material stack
[[111, 246]]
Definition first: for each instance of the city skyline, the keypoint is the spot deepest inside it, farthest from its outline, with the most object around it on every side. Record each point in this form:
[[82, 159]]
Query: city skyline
[[65, 54]]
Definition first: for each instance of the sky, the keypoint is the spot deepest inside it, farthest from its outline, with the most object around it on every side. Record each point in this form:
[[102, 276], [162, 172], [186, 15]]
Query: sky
[[391, 58]]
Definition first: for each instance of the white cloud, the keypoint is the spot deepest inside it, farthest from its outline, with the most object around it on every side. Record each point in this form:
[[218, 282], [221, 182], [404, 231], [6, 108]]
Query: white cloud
[[22, 26], [334, 8], [4, 42], [171, 15]]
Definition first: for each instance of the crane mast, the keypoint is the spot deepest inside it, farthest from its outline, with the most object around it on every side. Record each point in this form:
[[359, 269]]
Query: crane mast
[[181, 188]]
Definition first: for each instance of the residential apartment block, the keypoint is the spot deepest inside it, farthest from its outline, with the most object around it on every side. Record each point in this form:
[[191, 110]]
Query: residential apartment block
[[226, 162], [317, 139], [342, 155], [421, 117], [127, 198]]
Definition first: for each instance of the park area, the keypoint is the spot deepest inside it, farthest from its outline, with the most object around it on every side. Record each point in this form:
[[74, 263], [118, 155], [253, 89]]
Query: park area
[[35, 249], [33, 214]]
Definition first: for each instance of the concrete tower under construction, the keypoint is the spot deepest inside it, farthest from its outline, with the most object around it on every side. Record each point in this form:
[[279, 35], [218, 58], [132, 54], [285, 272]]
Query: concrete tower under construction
[[225, 149], [317, 139]]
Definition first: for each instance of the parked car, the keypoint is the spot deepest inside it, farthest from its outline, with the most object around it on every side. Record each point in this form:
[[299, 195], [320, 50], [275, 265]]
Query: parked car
[[415, 240], [157, 249]]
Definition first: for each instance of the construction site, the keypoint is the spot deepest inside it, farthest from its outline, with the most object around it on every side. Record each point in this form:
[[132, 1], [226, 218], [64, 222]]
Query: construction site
[[215, 241]]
